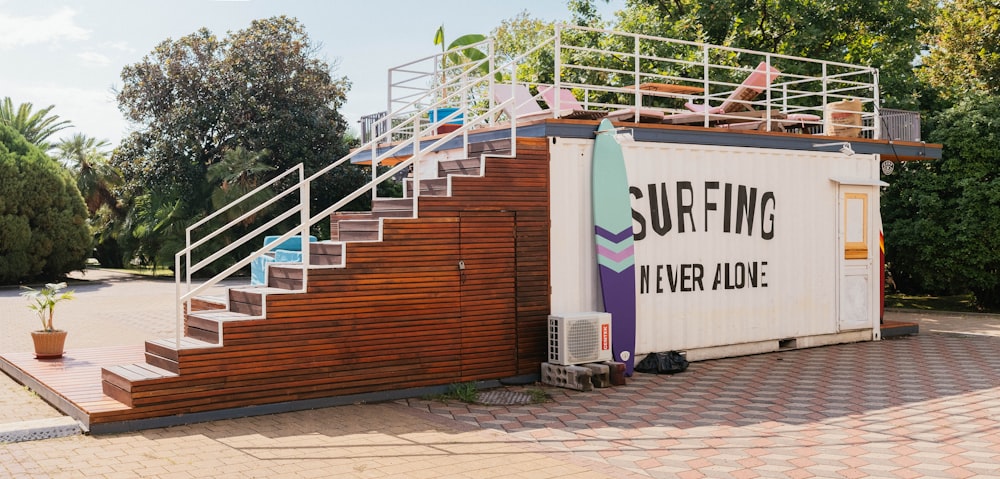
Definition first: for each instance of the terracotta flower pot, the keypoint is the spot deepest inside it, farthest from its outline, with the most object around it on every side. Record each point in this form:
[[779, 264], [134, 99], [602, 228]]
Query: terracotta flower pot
[[48, 344]]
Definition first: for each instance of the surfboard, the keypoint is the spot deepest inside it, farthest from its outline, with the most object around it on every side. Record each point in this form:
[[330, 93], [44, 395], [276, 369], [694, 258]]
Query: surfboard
[[615, 248]]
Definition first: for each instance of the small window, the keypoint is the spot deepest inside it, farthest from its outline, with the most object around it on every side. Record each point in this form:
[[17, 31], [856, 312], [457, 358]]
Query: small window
[[855, 226]]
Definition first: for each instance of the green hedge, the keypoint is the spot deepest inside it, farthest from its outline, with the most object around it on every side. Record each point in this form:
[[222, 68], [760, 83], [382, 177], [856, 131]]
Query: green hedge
[[43, 220]]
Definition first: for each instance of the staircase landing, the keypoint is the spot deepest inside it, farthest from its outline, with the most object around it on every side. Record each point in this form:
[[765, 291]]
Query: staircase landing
[[73, 383]]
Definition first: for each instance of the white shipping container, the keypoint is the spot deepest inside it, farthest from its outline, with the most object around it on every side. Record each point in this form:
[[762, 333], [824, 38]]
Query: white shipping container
[[738, 250]]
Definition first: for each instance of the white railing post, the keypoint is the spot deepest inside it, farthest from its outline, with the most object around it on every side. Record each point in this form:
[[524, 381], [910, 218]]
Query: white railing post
[[767, 92], [179, 308], [826, 86], [877, 109], [304, 203], [492, 79], [557, 77], [705, 81], [416, 167], [636, 81]]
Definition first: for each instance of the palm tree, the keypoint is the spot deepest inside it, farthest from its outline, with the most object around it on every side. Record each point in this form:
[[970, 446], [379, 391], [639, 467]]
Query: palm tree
[[36, 127], [87, 158]]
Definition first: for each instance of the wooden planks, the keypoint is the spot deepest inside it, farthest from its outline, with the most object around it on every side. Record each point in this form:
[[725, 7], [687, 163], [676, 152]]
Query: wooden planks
[[72, 383], [401, 313]]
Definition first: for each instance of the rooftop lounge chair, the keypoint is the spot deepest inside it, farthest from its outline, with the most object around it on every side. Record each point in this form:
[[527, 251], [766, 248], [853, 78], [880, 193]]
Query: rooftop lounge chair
[[753, 85], [568, 100], [525, 108]]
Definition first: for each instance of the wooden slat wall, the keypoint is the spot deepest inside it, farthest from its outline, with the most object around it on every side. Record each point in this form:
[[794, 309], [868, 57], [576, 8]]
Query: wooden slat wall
[[400, 314], [520, 186], [488, 306]]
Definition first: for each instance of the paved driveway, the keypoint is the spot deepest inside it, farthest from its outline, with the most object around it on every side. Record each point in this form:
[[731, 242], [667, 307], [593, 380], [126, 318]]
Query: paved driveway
[[922, 406]]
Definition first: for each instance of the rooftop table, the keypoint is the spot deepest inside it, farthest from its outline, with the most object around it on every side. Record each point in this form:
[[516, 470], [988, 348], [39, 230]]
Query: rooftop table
[[670, 89]]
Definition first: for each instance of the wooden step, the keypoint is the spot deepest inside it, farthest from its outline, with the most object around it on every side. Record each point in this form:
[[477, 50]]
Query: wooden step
[[117, 381], [163, 353], [326, 253], [206, 303], [359, 230], [287, 277], [249, 300], [491, 147], [338, 216], [204, 325], [392, 208], [428, 187], [465, 166]]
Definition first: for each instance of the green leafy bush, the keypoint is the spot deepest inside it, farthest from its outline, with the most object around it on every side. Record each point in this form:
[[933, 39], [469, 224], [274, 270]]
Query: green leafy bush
[[43, 220]]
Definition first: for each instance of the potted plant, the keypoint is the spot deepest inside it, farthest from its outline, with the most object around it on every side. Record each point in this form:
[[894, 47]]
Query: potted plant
[[49, 341]]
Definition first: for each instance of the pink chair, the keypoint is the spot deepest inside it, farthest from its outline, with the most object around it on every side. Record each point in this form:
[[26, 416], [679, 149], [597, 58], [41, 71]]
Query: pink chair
[[525, 108], [569, 106], [752, 86], [567, 100]]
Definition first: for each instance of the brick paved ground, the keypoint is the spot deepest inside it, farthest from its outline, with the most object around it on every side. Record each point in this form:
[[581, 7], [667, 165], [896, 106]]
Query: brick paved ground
[[17, 403], [924, 406]]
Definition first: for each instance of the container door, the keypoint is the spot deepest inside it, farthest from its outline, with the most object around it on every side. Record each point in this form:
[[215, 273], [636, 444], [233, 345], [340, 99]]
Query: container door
[[488, 304], [856, 219]]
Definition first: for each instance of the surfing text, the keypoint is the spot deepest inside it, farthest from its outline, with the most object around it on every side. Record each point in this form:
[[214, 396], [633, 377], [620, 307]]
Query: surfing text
[[737, 209]]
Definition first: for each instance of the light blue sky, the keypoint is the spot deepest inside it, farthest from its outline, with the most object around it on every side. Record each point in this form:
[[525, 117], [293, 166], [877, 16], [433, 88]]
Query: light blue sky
[[70, 53]]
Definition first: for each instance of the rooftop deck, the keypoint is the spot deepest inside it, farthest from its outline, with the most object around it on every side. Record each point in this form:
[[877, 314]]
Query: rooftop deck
[[637, 78]]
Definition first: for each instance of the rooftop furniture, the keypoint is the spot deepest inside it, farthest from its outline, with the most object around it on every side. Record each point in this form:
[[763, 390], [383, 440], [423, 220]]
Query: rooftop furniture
[[740, 98], [843, 118], [670, 89], [525, 108], [568, 100], [289, 251]]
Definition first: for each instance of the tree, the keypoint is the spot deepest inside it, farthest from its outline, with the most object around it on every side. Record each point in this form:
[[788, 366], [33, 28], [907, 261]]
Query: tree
[[200, 97], [515, 36], [964, 53], [883, 34], [43, 220], [36, 127], [943, 218], [87, 159]]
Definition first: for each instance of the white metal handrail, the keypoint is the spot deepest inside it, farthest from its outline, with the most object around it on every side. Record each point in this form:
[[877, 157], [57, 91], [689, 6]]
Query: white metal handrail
[[418, 87], [461, 85]]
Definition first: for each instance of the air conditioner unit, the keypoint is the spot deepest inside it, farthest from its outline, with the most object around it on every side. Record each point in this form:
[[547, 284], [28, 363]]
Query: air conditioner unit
[[579, 338]]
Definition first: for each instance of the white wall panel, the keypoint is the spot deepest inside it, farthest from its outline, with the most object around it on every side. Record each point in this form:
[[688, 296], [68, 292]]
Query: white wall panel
[[685, 300]]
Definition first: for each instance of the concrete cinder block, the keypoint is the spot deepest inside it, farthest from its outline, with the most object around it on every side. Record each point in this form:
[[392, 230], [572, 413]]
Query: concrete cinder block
[[617, 372], [570, 377], [602, 375]]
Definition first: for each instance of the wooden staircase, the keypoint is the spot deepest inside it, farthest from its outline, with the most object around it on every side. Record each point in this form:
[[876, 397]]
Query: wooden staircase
[[393, 302]]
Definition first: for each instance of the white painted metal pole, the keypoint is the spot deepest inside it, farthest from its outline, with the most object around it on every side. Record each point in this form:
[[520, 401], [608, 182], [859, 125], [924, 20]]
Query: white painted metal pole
[[305, 203]]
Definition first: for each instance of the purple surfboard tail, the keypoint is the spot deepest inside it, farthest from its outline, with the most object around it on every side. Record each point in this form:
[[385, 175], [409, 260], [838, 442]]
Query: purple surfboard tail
[[618, 293]]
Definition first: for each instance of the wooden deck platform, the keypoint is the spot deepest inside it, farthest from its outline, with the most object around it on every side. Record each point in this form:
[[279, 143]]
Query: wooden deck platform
[[73, 383]]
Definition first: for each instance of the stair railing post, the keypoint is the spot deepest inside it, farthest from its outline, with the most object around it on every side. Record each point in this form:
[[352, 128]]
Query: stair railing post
[[492, 82], [557, 68], [177, 295], [304, 204], [415, 167]]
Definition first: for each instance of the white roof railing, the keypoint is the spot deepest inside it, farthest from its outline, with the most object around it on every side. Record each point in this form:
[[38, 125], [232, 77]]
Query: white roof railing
[[613, 70]]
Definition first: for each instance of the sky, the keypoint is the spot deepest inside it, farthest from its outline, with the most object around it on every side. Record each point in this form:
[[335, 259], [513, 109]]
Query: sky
[[70, 53]]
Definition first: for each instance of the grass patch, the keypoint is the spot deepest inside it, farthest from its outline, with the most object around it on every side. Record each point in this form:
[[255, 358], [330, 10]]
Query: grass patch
[[538, 396], [465, 392], [150, 272], [962, 303]]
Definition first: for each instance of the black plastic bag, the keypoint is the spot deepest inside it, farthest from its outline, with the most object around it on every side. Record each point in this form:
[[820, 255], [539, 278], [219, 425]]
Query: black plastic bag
[[670, 362]]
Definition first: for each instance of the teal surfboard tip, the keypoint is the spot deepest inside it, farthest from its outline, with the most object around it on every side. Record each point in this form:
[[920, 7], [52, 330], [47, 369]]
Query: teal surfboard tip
[[605, 126]]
